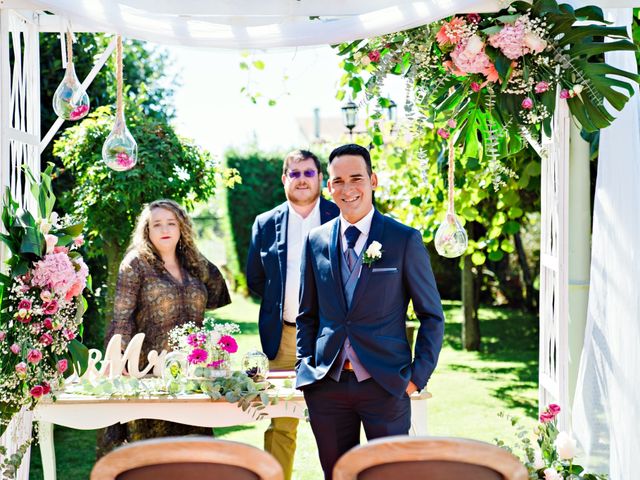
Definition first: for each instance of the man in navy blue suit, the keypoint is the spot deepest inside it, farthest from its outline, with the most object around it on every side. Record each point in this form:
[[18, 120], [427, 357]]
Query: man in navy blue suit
[[359, 273], [273, 273]]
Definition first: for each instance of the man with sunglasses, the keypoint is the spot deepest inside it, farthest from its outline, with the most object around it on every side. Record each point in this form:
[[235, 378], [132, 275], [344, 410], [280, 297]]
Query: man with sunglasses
[[273, 273]]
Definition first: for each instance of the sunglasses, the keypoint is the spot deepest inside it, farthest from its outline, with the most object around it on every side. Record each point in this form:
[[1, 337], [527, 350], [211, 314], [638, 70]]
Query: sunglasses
[[297, 173]]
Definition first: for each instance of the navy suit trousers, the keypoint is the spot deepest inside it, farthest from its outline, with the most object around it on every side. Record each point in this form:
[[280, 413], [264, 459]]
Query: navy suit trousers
[[338, 409]]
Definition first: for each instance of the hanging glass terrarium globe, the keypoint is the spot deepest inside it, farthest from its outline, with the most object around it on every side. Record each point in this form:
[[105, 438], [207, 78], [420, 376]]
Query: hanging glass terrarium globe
[[451, 238], [120, 150], [70, 100]]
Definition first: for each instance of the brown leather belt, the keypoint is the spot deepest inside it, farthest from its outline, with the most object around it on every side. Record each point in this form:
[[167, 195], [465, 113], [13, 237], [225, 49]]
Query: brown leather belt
[[347, 366], [289, 324]]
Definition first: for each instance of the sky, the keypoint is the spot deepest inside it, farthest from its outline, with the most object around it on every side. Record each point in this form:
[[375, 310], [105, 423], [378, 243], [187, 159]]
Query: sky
[[212, 110]]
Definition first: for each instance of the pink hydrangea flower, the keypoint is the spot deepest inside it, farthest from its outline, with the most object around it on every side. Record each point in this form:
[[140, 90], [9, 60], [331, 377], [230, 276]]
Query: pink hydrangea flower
[[527, 103], [198, 355], [469, 57], [443, 133], [62, 365], [511, 40], [228, 343], [36, 391], [15, 348], [541, 87], [79, 112], [55, 272]]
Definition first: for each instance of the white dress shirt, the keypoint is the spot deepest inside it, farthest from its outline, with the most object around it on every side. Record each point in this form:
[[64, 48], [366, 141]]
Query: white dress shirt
[[297, 230]]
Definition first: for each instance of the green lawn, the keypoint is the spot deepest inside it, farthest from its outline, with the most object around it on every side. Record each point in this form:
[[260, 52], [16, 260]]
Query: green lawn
[[469, 390]]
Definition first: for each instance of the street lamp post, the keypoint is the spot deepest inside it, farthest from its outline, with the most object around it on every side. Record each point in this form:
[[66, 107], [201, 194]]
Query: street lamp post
[[350, 116]]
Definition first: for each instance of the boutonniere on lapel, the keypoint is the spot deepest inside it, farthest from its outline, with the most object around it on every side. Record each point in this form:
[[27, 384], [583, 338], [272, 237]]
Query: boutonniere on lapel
[[372, 254]]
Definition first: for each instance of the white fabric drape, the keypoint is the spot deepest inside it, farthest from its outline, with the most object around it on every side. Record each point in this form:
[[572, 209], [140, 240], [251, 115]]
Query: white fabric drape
[[256, 23], [606, 409]]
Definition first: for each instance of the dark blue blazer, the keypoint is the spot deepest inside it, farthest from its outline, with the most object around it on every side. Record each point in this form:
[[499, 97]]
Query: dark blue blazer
[[376, 321], [267, 268]]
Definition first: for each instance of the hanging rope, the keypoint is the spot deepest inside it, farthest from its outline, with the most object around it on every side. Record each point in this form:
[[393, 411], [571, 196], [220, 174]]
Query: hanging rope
[[452, 163], [119, 77], [69, 36]]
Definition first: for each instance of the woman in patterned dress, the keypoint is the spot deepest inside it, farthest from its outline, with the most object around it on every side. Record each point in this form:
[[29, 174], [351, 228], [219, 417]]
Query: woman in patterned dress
[[164, 281]]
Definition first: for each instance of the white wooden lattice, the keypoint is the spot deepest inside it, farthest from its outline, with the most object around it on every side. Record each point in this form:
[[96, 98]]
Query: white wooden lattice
[[554, 252], [19, 145]]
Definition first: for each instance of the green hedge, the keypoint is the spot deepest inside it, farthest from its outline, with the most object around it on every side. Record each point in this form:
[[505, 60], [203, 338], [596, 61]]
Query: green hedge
[[260, 190]]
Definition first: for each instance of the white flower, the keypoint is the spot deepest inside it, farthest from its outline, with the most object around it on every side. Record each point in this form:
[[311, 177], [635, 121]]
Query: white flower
[[215, 337], [474, 45], [565, 446], [365, 61], [373, 253], [538, 461], [534, 42], [552, 474], [51, 242], [577, 89], [45, 226]]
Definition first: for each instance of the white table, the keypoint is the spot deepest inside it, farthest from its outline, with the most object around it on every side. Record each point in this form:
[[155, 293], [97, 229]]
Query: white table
[[87, 413]]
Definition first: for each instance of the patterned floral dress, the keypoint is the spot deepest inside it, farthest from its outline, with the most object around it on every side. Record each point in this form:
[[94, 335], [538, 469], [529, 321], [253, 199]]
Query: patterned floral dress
[[150, 300]]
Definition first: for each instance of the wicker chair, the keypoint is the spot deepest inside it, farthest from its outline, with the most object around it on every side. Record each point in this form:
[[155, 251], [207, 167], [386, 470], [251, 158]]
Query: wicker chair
[[428, 458], [187, 457]]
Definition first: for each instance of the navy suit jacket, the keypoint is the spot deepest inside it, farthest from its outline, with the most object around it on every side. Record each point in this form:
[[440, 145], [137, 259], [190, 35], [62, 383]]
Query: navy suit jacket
[[266, 269], [376, 321]]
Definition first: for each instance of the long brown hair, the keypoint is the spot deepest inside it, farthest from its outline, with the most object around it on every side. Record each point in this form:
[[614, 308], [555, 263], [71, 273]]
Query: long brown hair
[[186, 250]]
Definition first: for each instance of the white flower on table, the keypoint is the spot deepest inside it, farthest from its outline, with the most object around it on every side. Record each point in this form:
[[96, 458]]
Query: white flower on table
[[565, 446]]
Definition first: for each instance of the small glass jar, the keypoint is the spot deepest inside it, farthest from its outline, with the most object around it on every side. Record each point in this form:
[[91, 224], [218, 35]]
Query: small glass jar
[[256, 365]]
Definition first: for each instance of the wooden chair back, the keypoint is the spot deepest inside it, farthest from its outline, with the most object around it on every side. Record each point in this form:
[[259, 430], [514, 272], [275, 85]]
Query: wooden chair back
[[428, 458], [187, 457]]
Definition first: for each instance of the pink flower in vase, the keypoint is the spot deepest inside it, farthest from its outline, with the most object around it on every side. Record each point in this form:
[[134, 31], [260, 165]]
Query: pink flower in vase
[[228, 344], [79, 112], [62, 365], [123, 160], [527, 103], [198, 355], [215, 363]]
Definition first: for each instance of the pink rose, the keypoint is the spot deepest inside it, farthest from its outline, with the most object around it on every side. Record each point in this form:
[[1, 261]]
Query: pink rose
[[34, 356], [451, 123], [541, 87], [79, 240], [374, 56], [36, 391], [443, 133], [15, 348], [45, 295], [46, 388], [564, 94], [68, 334], [51, 242], [527, 103], [24, 304], [48, 323], [3, 335], [553, 408], [21, 368], [50, 307], [46, 339], [475, 86], [547, 417], [62, 365]]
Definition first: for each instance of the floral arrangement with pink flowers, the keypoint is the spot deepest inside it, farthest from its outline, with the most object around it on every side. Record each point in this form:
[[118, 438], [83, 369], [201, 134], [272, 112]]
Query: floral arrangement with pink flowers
[[208, 347], [552, 455], [41, 300], [490, 80]]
